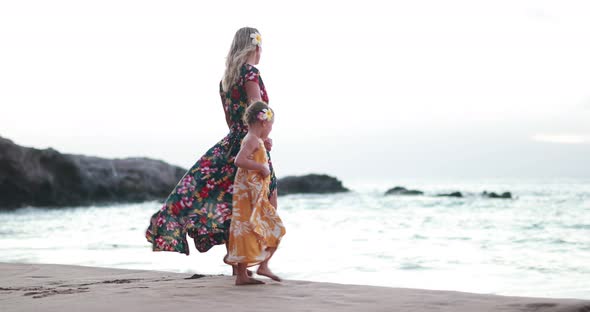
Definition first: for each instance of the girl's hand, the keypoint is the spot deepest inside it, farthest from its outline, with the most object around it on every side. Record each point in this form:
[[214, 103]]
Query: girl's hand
[[268, 144], [265, 171]]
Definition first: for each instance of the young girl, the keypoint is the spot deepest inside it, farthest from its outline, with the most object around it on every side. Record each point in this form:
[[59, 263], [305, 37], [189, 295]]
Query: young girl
[[256, 228]]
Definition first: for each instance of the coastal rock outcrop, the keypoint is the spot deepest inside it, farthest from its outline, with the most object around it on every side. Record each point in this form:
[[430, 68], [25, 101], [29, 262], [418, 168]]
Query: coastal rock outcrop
[[48, 178], [310, 184]]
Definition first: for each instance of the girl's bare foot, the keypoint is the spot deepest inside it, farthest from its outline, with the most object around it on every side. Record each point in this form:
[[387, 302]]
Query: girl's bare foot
[[247, 281], [234, 268], [235, 271], [265, 271]]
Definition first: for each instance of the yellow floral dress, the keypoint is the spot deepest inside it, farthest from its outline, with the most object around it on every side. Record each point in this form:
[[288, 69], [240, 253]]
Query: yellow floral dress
[[255, 224]]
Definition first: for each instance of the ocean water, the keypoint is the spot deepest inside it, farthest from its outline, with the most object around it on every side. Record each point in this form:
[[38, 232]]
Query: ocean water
[[537, 244]]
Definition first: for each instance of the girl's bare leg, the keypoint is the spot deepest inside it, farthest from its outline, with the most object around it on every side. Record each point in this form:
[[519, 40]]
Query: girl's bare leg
[[263, 268], [242, 277], [234, 268]]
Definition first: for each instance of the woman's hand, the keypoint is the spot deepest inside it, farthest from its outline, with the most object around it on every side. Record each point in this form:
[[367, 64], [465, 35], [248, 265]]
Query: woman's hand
[[268, 144]]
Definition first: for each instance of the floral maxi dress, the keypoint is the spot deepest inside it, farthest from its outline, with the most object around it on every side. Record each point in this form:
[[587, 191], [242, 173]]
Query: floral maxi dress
[[255, 224], [200, 205]]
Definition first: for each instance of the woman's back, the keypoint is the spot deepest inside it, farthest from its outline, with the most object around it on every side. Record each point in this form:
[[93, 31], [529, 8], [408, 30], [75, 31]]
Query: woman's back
[[235, 99]]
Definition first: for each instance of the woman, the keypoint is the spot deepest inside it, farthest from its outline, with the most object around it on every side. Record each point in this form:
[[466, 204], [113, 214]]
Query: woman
[[201, 203]]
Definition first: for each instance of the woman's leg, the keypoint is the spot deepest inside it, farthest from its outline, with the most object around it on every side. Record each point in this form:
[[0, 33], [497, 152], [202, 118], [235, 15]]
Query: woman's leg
[[273, 199], [234, 269]]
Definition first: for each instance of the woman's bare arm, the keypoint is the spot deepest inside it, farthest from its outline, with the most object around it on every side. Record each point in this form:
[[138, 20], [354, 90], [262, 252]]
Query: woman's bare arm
[[253, 92]]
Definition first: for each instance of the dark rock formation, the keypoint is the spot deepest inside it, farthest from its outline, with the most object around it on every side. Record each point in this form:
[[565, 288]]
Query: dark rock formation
[[505, 195], [453, 194], [398, 190], [311, 183], [33, 177]]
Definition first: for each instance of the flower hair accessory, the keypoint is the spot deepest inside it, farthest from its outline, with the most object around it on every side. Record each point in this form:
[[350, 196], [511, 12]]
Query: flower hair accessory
[[256, 39], [265, 114]]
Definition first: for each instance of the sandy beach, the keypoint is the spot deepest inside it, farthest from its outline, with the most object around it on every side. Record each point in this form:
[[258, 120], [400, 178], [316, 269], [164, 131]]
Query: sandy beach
[[47, 287]]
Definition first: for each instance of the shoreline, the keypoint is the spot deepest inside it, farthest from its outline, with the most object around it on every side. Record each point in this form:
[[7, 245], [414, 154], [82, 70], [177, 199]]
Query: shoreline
[[52, 287]]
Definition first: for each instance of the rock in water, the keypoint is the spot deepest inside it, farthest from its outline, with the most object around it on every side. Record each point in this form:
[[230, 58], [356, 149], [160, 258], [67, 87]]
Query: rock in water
[[399, 190], [453, 194], [505, 195], [48, 178], [310, 184]]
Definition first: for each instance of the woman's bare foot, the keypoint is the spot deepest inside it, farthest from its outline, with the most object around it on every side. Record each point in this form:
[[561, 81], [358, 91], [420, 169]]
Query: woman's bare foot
[[266, 272], [247, 281]]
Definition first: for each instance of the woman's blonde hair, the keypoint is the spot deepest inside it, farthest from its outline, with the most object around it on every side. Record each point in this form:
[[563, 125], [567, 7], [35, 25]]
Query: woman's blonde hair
[[240, 48], [252, 114]]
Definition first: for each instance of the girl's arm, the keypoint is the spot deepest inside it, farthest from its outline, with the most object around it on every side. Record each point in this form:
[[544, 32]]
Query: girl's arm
[[249, 146]]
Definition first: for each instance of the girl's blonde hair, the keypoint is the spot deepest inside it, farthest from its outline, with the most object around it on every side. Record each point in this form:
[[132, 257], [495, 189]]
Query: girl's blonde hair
[[240, 48], [254, 111]]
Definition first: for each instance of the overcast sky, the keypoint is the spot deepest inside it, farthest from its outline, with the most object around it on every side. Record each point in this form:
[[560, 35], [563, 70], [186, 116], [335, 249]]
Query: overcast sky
[[369, 89]]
